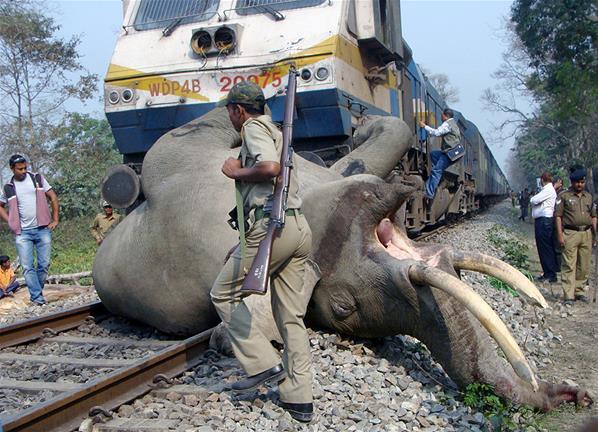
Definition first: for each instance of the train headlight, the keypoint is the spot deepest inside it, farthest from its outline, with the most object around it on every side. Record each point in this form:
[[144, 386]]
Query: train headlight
[[201, 42], [306, 75], [127, 95], [225, 39], [322, 73], [113, 97]]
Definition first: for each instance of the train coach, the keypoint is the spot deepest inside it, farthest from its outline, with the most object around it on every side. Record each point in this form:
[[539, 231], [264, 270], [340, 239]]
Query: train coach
[[174, 60]]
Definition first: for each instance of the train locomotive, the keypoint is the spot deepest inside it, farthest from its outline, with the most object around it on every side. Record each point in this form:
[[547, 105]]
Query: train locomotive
[[174, 60]]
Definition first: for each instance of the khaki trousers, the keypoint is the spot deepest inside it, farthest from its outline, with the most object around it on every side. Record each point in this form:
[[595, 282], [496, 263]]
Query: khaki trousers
[[576, 262], [290, 297]]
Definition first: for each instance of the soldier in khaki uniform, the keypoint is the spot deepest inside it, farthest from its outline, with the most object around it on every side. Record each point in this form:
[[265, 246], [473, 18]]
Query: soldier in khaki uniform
[[104, 223], [255, 172], [575, 221]]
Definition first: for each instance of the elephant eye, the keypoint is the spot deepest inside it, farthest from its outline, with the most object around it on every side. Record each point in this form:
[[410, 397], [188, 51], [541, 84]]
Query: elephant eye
[[342, 309]]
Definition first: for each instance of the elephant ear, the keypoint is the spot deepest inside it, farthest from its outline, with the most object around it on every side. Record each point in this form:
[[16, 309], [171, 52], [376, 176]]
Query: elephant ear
[[381, 143]]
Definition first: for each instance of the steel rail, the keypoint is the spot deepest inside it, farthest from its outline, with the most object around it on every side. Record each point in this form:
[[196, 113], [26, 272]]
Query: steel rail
[[66, 411], [32, 329], [431, 233]]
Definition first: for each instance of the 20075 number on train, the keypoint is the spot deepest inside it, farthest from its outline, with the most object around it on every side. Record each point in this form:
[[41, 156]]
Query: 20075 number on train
[[265, 78]]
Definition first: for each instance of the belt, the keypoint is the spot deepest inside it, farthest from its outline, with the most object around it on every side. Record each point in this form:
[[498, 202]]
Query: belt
[[578, 228], [260, 214]]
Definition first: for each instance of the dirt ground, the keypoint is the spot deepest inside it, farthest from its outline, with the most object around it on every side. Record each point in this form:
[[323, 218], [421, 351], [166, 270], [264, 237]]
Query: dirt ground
[[577, 357]]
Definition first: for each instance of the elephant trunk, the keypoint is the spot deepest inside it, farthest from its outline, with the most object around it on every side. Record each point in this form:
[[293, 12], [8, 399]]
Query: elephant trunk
[[468, 355]]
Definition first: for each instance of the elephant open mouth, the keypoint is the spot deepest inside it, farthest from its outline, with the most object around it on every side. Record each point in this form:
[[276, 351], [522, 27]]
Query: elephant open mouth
[[423, 270]]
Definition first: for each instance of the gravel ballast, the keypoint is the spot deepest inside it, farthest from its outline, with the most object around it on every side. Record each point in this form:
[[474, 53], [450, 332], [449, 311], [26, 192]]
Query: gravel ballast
[[389, 384]]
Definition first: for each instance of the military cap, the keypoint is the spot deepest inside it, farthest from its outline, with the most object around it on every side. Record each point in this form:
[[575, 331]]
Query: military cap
[[106, 204], [245, 93], [577, 173]]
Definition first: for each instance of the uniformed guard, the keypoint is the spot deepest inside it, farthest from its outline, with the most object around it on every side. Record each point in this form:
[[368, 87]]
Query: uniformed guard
[[255, 171], [575, 221], [104, 222]]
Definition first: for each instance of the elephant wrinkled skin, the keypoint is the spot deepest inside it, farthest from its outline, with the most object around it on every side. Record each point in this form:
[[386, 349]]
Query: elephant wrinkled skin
[[159, 264]]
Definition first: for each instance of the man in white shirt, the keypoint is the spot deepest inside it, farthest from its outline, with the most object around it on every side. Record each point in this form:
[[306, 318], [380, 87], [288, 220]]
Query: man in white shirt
[[543, 213], [26, 197]]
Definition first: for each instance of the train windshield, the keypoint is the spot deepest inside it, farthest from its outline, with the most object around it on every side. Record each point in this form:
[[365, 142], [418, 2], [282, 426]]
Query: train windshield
[[249, 7], [154, 14]]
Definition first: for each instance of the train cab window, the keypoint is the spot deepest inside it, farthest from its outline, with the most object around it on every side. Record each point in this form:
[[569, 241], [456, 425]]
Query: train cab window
[[251, 7], [155, 14]]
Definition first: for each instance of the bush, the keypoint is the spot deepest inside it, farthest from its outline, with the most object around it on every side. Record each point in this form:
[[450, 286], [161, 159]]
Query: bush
[[499, 412], [514, 251]]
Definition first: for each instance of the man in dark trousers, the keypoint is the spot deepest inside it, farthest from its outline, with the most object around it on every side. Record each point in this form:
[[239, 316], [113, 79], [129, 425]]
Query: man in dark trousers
[[29, 218], [543, 213], [524, 204], [256, 170], [451, 137]]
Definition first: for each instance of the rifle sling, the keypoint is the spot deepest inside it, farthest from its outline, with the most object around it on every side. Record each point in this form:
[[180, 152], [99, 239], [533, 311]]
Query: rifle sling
[[240, 218]]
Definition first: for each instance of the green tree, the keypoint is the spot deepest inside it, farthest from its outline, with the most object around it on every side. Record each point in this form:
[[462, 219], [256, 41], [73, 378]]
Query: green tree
[[553, 61], [560, 38], [35, 70], [83, 151]]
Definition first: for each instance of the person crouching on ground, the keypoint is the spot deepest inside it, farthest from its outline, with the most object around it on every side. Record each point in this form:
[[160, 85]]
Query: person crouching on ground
[[575, 220], [8, 280]]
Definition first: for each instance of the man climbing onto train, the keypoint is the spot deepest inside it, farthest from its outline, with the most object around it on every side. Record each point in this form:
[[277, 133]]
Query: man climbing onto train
[[441, 160], [255, 171]]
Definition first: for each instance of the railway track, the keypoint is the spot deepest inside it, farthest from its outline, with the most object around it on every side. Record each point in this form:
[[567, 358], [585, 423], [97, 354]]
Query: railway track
[[120, 381], [67, 395]]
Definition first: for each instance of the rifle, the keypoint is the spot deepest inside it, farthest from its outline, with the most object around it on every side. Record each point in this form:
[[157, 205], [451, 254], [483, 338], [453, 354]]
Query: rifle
[[257, 279]]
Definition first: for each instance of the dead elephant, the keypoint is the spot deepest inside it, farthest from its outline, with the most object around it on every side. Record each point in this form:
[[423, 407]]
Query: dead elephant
[[159, 263]]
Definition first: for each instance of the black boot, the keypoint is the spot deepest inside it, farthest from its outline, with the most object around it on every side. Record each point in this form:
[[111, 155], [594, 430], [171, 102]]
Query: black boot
[[251, 383], [302, 412]]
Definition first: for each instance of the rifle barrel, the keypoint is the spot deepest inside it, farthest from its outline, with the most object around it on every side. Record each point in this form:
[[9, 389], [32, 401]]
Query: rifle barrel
[[256, 280]]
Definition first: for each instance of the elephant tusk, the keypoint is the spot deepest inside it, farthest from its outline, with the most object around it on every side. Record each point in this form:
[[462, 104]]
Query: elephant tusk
[[500, 270], [424, 274]]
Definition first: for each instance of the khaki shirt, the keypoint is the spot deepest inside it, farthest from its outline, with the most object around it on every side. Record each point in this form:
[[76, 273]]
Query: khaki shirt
[[262, 142], [576, 210], [103, 224]]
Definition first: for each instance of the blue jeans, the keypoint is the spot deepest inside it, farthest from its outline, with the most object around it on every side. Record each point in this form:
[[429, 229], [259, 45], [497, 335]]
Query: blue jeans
[[440, 162], [39, 239]]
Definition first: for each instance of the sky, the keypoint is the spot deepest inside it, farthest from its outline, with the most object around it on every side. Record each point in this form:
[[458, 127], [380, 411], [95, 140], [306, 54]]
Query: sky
[[461, 39]]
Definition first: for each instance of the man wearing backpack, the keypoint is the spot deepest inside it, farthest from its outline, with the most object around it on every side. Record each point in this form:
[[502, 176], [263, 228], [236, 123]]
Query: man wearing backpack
[[26, 197]]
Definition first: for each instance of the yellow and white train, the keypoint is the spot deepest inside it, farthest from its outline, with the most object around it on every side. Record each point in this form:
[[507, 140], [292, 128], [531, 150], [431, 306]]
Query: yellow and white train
[[176, 59]]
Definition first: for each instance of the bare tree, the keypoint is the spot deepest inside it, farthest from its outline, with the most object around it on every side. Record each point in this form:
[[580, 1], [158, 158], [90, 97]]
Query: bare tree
[[442, 85]]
